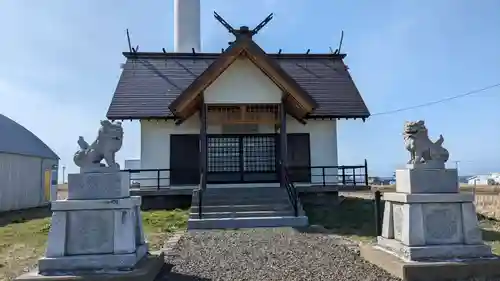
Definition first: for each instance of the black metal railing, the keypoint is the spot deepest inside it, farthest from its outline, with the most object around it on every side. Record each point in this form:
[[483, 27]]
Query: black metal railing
[[162, 178], [148, 178], [377, 204], [344, 175], [291, 190], [201, 190], [347, 175]]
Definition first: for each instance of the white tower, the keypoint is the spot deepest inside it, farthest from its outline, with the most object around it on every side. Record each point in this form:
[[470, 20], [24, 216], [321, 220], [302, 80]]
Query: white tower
[[187, 26]]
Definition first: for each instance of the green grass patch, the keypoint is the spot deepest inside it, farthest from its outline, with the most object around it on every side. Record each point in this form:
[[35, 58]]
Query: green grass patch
[[353, 218], [23, 236], [158, 225]]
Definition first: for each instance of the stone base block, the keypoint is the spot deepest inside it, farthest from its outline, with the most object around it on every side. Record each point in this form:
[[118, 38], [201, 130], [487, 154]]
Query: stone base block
[[434, 252], [52, 266], [145, 270], [465, 269], [89, 186], [88, 234], [431, 219], [421, 180]]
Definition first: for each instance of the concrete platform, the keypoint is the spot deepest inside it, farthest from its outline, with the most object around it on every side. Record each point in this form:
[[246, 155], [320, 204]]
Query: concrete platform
[[249, 222], [146, 270], [431, 271]]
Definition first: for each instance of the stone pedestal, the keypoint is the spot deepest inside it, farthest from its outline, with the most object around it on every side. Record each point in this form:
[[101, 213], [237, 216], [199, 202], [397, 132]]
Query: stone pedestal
[[98, 185], [94, 235], [428, 219], [97, 231], [430, 230]]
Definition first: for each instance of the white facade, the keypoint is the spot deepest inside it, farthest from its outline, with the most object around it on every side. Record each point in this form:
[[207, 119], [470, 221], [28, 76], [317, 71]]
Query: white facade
[[23, 182], [132, 164], [155, 143], [242, 82]]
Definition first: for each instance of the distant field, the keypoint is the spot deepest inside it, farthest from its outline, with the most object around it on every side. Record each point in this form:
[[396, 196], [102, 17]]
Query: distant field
[[490, 189]]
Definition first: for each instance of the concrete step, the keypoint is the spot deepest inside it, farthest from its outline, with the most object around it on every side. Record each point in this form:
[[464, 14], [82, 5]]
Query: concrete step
[[243, 194], [241, 202], [239, 214], [247, 222], [231, 200], [245, 191], [241, 208]]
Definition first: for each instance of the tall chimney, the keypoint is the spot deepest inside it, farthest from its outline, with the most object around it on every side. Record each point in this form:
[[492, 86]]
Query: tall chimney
[[187, 26]]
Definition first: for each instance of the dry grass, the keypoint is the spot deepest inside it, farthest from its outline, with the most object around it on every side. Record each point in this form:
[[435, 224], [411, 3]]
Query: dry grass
[[23, 236], [487, 189]]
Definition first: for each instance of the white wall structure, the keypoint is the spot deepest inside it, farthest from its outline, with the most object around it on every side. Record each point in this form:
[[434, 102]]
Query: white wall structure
[[187, 26], [26, 168], [155, 144], [132, 164], [242, 82], [23, 181]]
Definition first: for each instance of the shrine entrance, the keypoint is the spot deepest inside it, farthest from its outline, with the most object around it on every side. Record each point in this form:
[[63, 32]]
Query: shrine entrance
[[242, 158]]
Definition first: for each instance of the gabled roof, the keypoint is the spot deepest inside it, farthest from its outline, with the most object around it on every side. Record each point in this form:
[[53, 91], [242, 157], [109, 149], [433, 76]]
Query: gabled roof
[[16, 139], [150, 82], [246, 47]]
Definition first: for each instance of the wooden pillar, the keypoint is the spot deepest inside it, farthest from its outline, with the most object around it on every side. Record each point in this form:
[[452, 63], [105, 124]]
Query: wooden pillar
[[203, 144], [283, 143]]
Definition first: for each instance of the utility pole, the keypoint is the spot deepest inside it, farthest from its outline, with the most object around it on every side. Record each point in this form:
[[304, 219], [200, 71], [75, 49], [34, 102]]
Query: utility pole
[[456, 164], [64, 174]]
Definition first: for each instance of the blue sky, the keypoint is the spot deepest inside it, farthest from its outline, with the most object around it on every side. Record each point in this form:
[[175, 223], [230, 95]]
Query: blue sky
[[61, 62]]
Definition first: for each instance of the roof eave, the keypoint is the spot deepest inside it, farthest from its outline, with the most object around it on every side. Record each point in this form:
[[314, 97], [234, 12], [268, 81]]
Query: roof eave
[[171, 117], [159, 55], [139, 117]]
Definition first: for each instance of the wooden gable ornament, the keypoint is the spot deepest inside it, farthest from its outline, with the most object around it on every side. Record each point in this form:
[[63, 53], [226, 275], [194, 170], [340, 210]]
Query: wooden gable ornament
[[297, 101]]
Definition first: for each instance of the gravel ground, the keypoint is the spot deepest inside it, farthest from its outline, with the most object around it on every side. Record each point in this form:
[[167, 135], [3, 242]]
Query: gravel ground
[[267, 254]]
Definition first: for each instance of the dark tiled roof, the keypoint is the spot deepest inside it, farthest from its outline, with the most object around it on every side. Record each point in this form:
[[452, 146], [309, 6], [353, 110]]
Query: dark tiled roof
[[151, 81]]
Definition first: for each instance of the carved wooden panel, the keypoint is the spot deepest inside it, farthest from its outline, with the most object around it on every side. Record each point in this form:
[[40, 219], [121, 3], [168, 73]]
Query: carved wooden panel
[[240, 114]]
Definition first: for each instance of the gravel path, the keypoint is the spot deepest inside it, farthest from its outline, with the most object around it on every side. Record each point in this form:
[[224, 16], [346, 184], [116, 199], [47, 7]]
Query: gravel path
[[267, 254]]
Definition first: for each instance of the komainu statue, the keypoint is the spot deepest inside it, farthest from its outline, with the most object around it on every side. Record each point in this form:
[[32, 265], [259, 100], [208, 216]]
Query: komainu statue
[[109, 141], [421, 148]]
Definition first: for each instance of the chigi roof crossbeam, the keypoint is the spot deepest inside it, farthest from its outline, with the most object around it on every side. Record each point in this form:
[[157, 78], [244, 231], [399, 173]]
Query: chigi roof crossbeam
[[243, 29]]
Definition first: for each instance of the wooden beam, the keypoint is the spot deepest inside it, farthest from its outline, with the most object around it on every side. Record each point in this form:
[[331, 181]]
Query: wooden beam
[[203, 145], [283, 143]]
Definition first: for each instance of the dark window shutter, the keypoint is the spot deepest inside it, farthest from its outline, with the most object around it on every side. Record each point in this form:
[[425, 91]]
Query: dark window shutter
[[184, 159]]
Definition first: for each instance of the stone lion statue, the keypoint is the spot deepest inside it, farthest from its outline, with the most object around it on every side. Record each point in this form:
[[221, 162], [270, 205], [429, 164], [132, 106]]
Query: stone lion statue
[[421, 148], [109, 141]]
